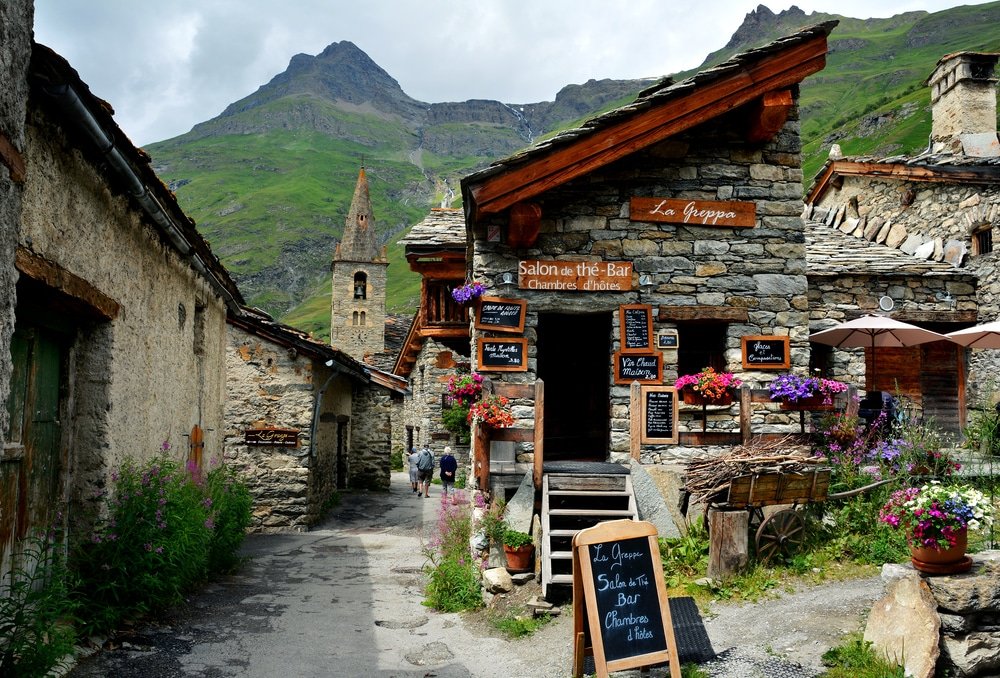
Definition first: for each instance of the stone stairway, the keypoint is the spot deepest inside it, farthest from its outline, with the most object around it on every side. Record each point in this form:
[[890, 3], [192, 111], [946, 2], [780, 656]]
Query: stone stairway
[[577, 495]]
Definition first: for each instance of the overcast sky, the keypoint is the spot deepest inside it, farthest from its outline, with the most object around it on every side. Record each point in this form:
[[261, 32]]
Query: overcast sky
[[169, 64]]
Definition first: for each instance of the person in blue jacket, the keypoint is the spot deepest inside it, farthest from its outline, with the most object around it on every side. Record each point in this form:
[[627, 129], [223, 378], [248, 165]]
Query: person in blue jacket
[[448, 469]]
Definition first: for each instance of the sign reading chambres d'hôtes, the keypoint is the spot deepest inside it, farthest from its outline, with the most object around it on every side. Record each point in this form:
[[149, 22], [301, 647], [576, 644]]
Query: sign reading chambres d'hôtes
[[574, 276]]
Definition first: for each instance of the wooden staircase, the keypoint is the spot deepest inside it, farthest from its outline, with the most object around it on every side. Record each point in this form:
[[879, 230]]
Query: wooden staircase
[[574, 501]]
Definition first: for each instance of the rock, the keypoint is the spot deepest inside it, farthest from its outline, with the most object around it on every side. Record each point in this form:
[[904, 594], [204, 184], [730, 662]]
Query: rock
[[539, 603], [522, 578], [967, 594], [650, 499], [975, 654], [497, 580], [891, 571], [954, 252], [896, 236], [911, 244], [521, 506], [903, 626]]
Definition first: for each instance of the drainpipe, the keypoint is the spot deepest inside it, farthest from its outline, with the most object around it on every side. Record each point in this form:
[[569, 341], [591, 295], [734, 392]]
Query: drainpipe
[[316, 409], [71, 103]]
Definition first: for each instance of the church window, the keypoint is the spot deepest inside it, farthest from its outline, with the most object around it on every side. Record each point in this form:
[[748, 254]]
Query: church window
[[354, 318], [363, 322], [360, 286]]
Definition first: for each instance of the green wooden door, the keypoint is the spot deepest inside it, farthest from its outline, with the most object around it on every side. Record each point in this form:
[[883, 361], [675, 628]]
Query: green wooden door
[[30, 471]]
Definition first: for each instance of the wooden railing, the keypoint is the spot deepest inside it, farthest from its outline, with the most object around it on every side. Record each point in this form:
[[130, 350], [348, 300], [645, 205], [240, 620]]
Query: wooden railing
[[439, 307], [482, 436]]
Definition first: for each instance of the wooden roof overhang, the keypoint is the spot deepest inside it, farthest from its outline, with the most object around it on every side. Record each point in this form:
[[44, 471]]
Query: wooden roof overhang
[[903, 171], [759, 77]]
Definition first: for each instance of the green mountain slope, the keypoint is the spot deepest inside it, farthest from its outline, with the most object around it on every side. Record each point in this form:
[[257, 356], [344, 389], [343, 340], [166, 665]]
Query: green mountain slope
[[269, 181]]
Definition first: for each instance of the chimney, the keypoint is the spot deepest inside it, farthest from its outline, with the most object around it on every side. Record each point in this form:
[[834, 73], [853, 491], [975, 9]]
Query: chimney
[[964, 105]]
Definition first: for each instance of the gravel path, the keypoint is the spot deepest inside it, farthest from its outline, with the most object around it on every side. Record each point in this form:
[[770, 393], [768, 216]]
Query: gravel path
[[345, 600]]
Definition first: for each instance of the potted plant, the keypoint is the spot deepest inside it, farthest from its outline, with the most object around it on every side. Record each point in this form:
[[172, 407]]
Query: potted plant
[[492, 411], [707, 387], [795, 392], [470, 291], [463, 391], [518, 548], [936, 519]]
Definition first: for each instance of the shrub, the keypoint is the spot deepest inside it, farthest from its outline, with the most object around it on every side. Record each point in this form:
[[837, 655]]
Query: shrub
[[515, 539], [35, 607], [230, 516], [453, 576]]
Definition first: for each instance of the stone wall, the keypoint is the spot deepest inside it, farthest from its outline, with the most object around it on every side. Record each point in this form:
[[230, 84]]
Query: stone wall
[[371, 439], [435, 364], [156, 369], [759, 269], [355, 339], [269, 385], [16, 17], [941, 625]]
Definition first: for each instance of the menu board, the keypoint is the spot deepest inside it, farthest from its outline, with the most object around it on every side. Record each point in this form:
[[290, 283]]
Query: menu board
[[502, 355], [636, 322], [501, 315], [658, 415], [618, 591], [766, 352], [646, 368]]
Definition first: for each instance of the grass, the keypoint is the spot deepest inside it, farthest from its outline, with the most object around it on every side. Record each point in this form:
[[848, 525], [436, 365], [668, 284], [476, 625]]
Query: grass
[[855, 658], [519, 625]]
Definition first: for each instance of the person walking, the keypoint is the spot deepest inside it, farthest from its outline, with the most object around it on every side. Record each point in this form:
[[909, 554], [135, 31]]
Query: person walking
[[414, 472], [448, 468], [425, 470]]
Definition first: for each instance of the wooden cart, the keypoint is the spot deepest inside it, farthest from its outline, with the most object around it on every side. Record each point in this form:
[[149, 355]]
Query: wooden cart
[[783, 531]]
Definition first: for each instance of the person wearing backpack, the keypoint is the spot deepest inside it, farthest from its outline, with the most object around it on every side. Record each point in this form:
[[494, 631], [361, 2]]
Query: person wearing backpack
[[448, 468], [425, 467]]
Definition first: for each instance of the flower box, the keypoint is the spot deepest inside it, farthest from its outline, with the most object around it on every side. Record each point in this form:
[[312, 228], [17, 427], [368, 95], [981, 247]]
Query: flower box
[[692, 397], [707, 387], [814, 402]]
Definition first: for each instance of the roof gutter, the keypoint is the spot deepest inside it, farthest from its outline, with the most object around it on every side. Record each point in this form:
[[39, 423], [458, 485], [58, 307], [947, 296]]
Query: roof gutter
[[70, 102]]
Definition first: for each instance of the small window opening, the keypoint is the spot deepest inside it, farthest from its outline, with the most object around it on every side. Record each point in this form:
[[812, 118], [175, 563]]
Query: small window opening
[[982, 241], [360, 286], [363, 317], [701, 345], [354, 318]]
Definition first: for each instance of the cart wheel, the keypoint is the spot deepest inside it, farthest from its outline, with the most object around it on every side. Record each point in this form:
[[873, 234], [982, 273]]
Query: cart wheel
[[782, 533]]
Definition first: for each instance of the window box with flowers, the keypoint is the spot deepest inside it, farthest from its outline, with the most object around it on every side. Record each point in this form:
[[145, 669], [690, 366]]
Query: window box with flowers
[[804, 393], [493, 411], [708, 387], [470, 291], [937, 520]]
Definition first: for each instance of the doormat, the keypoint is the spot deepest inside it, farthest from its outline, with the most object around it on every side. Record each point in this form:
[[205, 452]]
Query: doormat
[[693, 644]]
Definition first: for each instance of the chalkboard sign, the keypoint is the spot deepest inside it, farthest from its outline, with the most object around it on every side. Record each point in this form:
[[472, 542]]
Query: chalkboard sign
[[618, 592], [502, 355], [659, 415], [766, 352], [501, 315], [645, 368], [636, 322]]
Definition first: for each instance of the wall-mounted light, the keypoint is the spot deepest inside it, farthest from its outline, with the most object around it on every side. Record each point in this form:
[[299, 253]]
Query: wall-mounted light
[[646, 283], [506, 282]]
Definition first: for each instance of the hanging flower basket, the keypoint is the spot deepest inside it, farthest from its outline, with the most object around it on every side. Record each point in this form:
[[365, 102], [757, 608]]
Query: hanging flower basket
[[469, 292]]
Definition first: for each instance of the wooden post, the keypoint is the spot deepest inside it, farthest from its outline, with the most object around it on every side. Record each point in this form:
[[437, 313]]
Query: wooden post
[[745, 414], [539, 459], [635, 417], [196, 447], [728, 551], [852, 401]]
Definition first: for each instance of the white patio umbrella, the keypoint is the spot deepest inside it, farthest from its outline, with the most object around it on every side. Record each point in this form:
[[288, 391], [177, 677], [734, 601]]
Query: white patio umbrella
[[980, 336], [871, 331]]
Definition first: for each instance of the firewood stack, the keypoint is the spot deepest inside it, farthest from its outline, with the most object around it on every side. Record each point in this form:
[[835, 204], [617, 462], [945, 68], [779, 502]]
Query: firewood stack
[[708, 478]]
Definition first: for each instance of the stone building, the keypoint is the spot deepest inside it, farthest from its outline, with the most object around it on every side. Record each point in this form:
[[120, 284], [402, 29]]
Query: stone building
[[687, 203], [912, 237], [357, 313], [120, 315], [437, 344], [303, 420]]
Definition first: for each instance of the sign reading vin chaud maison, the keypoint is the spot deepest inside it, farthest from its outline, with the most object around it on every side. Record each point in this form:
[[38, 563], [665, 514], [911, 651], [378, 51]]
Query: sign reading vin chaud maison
[[574, 276], [694, 212]]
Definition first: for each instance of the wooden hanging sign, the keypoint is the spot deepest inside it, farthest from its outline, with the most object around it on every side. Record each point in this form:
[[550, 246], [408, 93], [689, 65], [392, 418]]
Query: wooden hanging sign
[[279, 437], [621, 613], [658, 415], [501, 315], [646, 368], [716, 213], [502, 355], [574, 276], [766, 352]]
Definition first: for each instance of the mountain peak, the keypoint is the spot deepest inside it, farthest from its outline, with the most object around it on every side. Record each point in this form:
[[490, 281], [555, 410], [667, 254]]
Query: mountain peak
[[761, 22]]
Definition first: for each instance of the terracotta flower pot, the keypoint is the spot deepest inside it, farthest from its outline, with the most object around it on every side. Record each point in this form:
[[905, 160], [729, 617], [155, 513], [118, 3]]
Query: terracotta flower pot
[[519, 559], [944, 561], [692, 397]]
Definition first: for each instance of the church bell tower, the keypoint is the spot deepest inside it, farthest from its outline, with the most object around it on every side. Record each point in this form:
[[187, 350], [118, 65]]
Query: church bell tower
[[357, 315]]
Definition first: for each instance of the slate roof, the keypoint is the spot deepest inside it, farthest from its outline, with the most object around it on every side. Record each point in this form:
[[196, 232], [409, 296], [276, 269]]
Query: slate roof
[[396, 327], [660, 94], [442, 228], [829, 251]]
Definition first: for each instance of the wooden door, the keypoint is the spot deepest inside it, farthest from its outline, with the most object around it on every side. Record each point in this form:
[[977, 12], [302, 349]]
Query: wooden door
[[30, 469]]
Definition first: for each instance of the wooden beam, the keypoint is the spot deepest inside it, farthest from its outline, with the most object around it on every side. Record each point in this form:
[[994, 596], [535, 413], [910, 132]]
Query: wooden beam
[[729, 314], [539, 451], [52, 275], [517, 435], [675, 115], [768, 115], [436, 332], [12, 158]]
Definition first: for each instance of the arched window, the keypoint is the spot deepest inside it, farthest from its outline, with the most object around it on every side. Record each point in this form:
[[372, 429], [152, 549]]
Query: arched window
[[354, 318], [360, 286], [362, 317]]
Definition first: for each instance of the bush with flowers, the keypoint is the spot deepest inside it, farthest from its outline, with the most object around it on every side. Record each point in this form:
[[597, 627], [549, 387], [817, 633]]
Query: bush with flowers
[[453, 573], [710, 384], [492, 411], [934, 515], [463, 294], [793, 388], [463, 391]]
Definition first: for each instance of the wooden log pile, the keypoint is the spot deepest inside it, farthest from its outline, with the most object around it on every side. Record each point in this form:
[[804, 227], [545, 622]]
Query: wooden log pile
[[708, 478]]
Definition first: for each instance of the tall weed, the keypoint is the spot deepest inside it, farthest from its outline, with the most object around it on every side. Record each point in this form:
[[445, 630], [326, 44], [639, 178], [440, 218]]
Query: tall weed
[[453, 576]]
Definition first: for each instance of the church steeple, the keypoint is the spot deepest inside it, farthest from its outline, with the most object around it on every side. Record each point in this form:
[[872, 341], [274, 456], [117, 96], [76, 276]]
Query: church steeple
[[357, 308]]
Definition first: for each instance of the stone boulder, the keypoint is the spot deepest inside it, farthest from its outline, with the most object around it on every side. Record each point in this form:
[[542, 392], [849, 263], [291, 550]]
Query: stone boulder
[[497, 580], [904, 626]]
